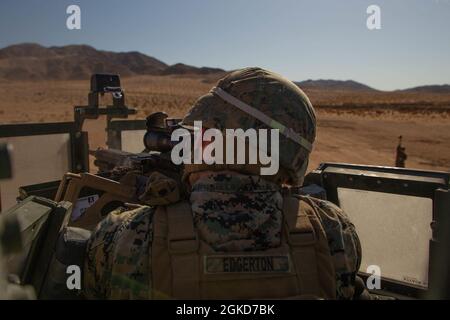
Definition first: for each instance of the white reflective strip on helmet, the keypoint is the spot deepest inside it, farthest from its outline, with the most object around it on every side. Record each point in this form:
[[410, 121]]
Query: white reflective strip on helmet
[[287, 132]]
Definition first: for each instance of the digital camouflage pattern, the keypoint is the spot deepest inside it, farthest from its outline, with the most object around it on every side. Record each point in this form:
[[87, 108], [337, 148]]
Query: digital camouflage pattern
[[160, 190], [270, 93], [118, 259], [154, 188], [232, 212], [236, 212], [344, 244]]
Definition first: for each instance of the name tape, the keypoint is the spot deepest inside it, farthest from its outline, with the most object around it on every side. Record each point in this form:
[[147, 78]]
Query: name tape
[[247, 264]]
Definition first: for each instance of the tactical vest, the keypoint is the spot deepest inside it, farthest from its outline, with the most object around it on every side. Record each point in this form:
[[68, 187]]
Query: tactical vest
[[185, 267]]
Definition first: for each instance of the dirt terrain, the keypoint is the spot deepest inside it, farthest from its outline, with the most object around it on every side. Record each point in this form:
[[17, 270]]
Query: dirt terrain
[[353, 126]]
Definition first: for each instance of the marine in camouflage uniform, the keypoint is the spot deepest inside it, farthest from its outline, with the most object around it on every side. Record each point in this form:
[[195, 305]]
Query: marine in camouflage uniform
[[234, 209]]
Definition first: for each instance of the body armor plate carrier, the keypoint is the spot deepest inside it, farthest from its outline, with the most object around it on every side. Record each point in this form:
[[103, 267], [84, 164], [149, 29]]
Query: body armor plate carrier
[[185, 267]]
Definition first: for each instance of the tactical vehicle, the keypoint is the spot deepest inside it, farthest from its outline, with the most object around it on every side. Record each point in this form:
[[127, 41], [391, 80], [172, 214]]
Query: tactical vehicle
[[402, 215]]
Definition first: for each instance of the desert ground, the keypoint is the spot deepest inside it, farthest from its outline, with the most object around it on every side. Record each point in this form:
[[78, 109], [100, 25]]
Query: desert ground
[[353, 127]]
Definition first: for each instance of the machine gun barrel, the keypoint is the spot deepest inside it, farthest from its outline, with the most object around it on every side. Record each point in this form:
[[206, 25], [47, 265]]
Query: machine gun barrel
[[108, 159]]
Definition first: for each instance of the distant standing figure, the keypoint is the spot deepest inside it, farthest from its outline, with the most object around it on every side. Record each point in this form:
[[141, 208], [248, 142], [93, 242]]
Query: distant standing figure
[[400, 156]]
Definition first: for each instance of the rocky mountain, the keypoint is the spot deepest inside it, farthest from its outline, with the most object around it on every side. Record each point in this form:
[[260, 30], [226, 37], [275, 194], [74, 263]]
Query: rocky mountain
[[444, 88], [344, 85], [181, 68], [31, 61]]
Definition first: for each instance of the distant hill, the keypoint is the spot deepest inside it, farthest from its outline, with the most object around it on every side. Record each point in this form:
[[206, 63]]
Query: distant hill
[[444, 88], [29, 61], [344, 85], [350, 85], [181, 68]]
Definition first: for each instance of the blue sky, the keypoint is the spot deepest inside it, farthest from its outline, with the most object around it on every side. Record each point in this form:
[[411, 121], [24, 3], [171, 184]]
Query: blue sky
[[299, 39]]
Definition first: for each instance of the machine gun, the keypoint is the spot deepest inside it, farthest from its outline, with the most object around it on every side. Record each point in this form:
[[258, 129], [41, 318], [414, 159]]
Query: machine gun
[[155, 155], [107, 160], [95, 195]]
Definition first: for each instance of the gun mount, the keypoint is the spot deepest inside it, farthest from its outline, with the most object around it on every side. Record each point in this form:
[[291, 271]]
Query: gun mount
[[102, 84]]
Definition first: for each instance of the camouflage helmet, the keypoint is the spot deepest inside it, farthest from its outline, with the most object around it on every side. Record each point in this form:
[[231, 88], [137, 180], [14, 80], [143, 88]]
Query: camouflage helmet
[[279, 104]]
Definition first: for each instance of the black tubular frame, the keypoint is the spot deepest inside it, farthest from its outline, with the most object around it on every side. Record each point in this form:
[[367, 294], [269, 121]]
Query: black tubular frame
[[78, 158], [115, 128], [420, 183]]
